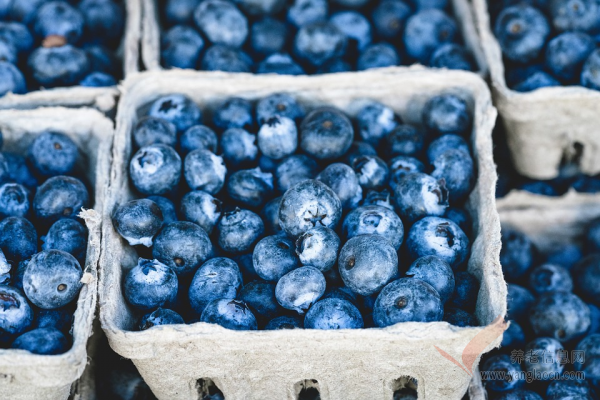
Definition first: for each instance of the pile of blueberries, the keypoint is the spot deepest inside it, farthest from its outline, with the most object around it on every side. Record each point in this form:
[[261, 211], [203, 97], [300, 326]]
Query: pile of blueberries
[[310, 36], [553, 301], [271, 216], [548, 42], [40, 275], [47, 44]]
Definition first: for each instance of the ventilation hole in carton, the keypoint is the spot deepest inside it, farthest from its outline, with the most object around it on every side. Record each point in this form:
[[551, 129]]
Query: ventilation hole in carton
[[208, 390], [307, 389], [404, 388], [571, 159]]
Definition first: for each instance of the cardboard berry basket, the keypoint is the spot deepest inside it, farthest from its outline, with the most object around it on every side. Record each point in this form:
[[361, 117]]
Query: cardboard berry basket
[[180, 361], [103, 98], [544, 126], [24, 375], [152, 30]]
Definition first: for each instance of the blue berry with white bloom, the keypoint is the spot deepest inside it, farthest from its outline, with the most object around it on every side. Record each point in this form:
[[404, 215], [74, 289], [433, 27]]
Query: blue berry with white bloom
[[300, 288], [150, 284]]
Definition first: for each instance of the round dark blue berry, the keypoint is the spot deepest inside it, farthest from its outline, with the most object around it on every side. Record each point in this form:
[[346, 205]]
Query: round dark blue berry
[[150, 284], [218, 278], [155, 169]]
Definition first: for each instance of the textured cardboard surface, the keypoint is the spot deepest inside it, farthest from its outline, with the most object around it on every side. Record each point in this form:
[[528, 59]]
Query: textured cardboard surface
[[347, 364], [545, 125], [103, 99], [151, 32], [23, 375]]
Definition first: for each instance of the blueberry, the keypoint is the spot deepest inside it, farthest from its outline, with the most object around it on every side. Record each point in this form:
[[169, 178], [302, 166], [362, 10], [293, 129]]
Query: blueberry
[[586, 275], [335, 65], [260, 297], [308, 204], [562, 316], [405, 300], [519, 301], [44, 341], [177, 109], [202, 209], [230, 314], [401, 165], [239, 230], [575, 15], [418, 195], [460, 217], [102, 59], [150, 284], [425, 4], [155, 169], [218, 278], [198, 137], [104, 20], [333, 314], [239, 147], [304, 12], [589, 76], [355, 26], [447, 114], [375, 121], [60, 197], [274, 257], [358, 149], [426, 31], [466, 289], [234, 112], [221, 22], [270, 215], [183, 246], [451, 56], [98, 79], [279, 104], [300, 288], [138, 221], [445, 143], [223, 58], [281, 64], [167, 208], [521, 31], [372, 172], [261, 7], [14, 200], [404, 140], [158, 317], [58, 318], [284, 322], [374, 220], [595, 318], [367, 263], [326, 133], [250, 187], [5, 268], [590, 346], [52, 279], [513, 337], [53, 153], [389, 18], [18, 238], [17, 34], [516, 255], [566, 54], [268, 36], [58, 66], [343, 181], [12, 80], [58, 18], [8, 51], [318, 247], [435, 272], [440, 237], [152, 130], [278, 137], [16, 315], [203, 170], [318, 42], [511, 371], [67, 235], [550, 278], [293, 170], [378, 55], [382, 198], [455, 167], [565, 255], [458, 317], [568, 389], [543, 357], [16, 279], [180, 11]]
